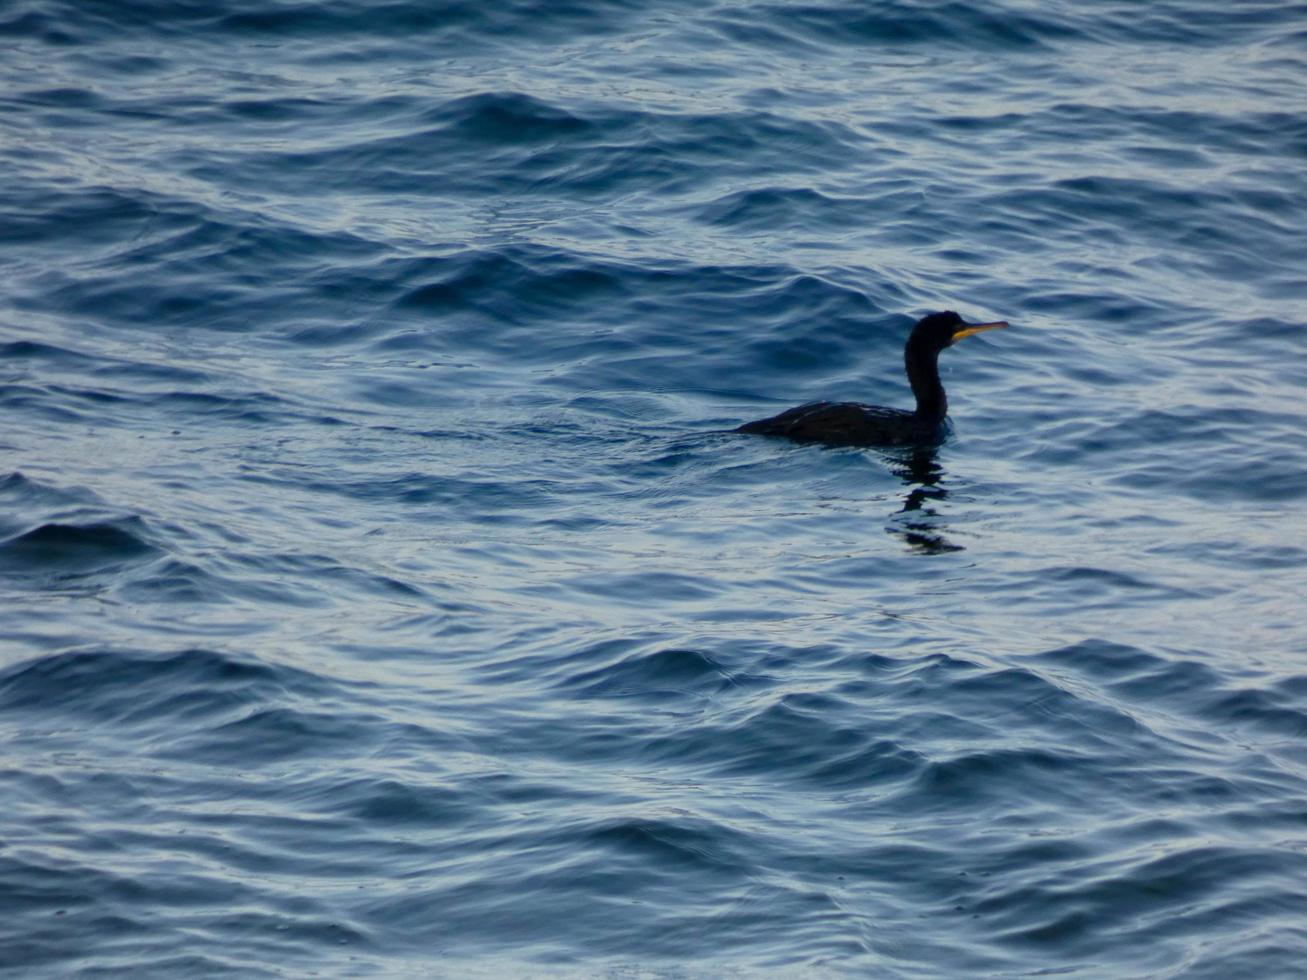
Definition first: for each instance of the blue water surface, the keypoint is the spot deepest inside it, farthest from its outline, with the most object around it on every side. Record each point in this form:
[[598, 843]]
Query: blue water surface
[[382, 591]]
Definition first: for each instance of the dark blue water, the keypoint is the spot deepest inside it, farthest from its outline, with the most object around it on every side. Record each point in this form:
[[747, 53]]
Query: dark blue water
[[381, 596]]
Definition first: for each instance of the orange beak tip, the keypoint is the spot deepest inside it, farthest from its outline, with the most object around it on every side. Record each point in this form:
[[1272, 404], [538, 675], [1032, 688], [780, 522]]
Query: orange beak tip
[[975, 328]]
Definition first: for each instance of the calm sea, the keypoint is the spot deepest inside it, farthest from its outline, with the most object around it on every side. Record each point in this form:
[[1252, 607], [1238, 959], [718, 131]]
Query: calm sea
[[382, 593]]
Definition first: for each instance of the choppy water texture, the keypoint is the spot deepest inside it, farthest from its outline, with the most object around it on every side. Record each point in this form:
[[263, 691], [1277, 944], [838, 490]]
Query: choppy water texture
[[380, 593]]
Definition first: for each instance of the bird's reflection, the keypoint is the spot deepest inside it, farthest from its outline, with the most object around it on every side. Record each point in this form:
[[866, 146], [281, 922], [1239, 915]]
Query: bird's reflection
[[917, 522]]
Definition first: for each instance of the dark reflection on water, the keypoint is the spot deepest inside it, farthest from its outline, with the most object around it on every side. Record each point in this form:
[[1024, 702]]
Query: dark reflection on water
[[917, 522]]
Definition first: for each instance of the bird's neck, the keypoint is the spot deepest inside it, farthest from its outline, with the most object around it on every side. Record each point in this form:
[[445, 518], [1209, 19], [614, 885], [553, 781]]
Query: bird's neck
[[923, 374]]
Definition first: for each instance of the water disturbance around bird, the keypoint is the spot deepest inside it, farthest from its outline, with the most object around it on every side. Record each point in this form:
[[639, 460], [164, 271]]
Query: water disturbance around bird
[[383, 591]]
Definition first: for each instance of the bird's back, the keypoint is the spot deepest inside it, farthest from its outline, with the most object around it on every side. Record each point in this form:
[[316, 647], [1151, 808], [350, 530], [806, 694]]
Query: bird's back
[[847, 424]]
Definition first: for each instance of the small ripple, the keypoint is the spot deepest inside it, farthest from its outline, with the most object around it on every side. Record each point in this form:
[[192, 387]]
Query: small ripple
[[537, 146], [1074, 917], [57, 551], [775, 208], [668, 673], [147, 689], [1270, 711], [905, 23]]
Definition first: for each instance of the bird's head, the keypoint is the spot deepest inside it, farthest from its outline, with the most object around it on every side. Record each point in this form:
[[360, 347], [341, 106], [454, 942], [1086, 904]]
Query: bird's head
[[940, 330]]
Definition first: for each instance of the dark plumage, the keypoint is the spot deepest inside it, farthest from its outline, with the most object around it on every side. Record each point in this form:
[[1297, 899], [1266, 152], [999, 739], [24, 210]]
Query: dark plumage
[[853, 424]]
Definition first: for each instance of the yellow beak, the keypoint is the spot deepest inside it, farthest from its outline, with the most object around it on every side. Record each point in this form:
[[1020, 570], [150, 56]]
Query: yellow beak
[[969, 328]]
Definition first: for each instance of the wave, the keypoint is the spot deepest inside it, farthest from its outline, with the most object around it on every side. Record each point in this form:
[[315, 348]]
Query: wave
[[66, 550]]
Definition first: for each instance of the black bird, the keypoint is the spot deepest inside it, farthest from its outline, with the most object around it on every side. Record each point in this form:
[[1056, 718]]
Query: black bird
[[853, 424]]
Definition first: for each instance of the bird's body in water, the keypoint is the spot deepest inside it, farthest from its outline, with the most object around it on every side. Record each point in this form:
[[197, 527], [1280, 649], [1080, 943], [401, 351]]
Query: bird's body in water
[[854, 424]]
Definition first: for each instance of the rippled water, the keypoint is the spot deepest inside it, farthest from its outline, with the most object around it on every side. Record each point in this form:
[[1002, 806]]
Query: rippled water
[[382, 593]]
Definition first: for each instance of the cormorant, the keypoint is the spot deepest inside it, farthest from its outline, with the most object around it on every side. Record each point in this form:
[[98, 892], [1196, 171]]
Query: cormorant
[[853, 424]]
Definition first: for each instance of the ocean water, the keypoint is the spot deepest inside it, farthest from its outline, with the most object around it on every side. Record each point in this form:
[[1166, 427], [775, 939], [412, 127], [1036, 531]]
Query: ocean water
[[382, 592]]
